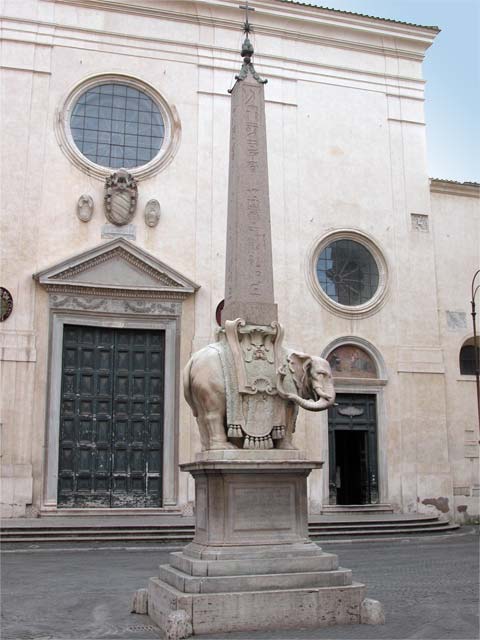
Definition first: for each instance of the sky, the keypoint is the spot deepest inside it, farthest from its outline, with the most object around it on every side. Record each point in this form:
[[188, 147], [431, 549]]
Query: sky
[[452, 71]]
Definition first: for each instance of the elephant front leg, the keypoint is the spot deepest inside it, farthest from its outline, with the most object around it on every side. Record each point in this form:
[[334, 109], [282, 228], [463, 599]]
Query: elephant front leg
[[291, 417]]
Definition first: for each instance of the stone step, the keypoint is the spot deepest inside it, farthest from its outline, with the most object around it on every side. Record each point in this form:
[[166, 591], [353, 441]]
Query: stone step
[[191, 566], [253, 582], [397, 531], [431, 524], [99, 538], [357, 508], [183, 533], [338, 526]]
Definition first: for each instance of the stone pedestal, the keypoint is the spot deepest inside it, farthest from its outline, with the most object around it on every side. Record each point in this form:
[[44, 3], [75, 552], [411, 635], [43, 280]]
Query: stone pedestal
[[251, 565]]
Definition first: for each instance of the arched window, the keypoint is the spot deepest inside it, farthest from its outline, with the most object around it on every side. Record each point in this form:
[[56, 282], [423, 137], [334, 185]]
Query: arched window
[[467, 358], [350, 361]]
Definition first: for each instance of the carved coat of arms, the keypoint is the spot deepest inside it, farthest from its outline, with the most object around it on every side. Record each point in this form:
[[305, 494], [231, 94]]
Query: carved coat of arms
[[121, 196]]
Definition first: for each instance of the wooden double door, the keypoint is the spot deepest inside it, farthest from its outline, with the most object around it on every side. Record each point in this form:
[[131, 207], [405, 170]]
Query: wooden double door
[[111, 418], [352, 441]]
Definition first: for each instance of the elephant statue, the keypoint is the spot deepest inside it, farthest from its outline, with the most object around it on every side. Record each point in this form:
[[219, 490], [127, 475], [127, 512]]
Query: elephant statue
[[301, 380]]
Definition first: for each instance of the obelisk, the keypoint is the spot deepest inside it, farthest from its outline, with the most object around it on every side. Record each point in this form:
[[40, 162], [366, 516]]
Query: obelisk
[[249, 273], [251, 565]]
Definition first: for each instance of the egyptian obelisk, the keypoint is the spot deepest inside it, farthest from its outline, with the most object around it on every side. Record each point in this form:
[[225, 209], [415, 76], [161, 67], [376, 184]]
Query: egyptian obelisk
[[248, 273], [251, 565]]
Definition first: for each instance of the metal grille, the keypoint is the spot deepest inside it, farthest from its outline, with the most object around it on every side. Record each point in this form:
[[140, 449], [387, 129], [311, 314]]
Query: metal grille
[[347, 272], [115, 126]]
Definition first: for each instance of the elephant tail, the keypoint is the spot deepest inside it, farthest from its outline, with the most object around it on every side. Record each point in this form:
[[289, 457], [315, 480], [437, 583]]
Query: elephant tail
[[186, 387]]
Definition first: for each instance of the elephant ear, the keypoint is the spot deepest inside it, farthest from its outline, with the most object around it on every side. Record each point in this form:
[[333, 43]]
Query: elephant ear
[[300, 364]]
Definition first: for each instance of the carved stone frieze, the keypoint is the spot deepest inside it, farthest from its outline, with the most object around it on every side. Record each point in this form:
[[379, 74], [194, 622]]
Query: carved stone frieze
[[257, 354], [114, 305], [420, 222]]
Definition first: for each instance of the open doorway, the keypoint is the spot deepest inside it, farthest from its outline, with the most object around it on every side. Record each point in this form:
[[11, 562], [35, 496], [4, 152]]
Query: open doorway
[[352, 427]]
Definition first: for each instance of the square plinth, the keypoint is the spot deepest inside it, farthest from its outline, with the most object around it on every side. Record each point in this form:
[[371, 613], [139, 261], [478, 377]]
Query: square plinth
[[251, 565], [247, 501]]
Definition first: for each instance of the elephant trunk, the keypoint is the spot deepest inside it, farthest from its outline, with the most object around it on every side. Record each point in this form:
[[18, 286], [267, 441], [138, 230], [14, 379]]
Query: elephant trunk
[[324, 396], [312, 405]]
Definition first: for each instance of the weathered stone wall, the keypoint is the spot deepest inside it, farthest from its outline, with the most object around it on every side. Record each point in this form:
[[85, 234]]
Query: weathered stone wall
[[456, 230], [346, 150]]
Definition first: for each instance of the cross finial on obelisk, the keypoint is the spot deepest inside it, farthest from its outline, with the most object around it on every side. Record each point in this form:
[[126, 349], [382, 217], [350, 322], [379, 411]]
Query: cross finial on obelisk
[[249, 275], [246, 25]]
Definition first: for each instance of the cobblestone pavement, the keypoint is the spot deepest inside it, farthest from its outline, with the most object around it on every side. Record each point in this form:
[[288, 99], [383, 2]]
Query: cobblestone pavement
[[428, 586]]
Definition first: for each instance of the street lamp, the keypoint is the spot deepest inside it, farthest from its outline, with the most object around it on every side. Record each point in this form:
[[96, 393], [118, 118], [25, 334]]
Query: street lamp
[[476, 349]]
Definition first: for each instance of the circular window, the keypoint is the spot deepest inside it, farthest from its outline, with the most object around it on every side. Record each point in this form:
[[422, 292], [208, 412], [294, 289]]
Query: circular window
[[114, 121], [348, 273], [116, 126]]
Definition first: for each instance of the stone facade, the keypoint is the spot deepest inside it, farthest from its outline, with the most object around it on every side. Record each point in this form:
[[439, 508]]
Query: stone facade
[[346, 154]]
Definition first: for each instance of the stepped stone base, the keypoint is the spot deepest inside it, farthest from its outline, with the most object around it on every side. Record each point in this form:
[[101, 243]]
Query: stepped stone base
[[251, 565]]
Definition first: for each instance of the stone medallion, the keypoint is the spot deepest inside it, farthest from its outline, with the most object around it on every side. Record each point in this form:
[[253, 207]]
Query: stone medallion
[[152, 213], [85, 208], [6, 303], [120, 197]]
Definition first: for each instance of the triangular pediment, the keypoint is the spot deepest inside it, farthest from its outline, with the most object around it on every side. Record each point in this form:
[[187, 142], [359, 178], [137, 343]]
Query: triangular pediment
[[117, 265]]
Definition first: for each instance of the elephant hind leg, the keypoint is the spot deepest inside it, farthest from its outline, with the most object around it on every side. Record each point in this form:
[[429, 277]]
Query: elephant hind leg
[[213, 421]]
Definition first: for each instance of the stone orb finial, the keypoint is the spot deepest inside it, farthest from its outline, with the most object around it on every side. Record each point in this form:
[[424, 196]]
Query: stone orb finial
[[152, 213], [85, 208]]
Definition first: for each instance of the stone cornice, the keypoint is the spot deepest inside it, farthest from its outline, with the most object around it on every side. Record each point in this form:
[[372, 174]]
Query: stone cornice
[[452, 188], [303, 23], [292, 11], [208, 55]]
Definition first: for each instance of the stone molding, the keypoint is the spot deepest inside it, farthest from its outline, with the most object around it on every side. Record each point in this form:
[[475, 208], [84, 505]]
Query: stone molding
[[169, 113], [452, 188], [416, 36], [134, 291], [221, 58], [159, 322], [149, 277], [362, 310], [114, 305], [372, 351]]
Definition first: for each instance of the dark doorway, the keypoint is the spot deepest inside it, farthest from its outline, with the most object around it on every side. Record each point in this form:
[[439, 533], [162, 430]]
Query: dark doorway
[[350, 467], [111, 418], [352, 427]]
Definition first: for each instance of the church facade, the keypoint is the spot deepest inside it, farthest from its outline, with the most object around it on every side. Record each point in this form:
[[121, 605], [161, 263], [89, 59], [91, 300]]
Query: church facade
[[115, 169]]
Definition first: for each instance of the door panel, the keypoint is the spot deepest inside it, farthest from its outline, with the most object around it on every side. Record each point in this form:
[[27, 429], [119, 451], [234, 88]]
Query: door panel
[[111, 431]]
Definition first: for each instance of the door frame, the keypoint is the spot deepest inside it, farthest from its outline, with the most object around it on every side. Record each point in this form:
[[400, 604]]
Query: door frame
[[171, 326], [373, 398], [372, 386], [116, 284]]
